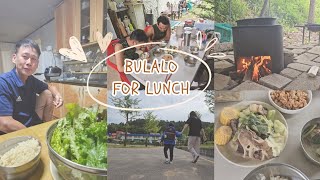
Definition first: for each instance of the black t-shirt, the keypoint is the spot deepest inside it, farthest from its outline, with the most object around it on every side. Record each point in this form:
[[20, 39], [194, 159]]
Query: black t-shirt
[[195, 126], [158, 35]]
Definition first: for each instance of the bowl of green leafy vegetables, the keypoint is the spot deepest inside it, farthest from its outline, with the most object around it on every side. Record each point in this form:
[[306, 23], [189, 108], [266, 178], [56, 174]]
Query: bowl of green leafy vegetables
[[77, 144]]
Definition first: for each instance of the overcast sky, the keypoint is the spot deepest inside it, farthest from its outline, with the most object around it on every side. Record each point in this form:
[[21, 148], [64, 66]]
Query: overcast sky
[[177, 113]]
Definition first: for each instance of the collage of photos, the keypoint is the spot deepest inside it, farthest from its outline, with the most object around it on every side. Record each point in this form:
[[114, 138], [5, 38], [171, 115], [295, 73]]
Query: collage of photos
[[159, 90]]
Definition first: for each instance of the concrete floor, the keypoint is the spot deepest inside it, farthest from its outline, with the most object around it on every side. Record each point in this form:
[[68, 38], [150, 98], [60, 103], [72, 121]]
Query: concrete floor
[[148, 164]]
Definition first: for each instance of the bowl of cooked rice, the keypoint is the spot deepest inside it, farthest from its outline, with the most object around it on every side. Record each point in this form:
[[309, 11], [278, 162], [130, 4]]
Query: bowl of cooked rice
[[19, 157]]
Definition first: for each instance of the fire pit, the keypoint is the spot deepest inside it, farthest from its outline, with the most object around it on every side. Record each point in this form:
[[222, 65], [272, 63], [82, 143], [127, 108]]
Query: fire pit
[[258, 48]]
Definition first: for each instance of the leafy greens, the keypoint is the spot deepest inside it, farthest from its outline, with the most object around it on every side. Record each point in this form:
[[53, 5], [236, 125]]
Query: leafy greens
[[82, 137]]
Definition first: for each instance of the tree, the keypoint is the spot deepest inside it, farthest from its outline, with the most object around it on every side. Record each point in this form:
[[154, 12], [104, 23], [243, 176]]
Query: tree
[[151, 124], [231, 11], [204, 10], [126, 102], [264, 8], [210, 100], [311, 11]]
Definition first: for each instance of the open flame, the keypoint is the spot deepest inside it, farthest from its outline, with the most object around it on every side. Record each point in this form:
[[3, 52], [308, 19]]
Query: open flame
[[256, 66]]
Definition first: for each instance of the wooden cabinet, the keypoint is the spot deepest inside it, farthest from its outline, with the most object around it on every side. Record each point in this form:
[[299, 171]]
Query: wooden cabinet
[[79, 95], [136, 13], [71, 94], [65, 23], [97, 92], [79, 18], [89, 19]]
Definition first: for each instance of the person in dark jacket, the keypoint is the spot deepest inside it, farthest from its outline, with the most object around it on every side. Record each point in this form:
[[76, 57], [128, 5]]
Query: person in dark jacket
[[169, 140], [194, 136]]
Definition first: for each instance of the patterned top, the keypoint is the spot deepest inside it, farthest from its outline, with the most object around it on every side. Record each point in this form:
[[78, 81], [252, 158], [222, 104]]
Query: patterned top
[[130, 53]]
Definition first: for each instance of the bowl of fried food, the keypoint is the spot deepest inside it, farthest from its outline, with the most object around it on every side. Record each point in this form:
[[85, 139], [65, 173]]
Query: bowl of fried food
[[250, 133], [290, 102]]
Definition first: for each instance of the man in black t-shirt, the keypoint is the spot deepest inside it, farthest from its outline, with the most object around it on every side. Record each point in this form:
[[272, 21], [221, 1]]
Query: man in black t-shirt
[[160, 31], [195, 131]]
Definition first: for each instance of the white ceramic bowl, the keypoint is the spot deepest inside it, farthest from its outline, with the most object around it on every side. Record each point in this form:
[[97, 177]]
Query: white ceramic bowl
[[288, 111], [233, 157]]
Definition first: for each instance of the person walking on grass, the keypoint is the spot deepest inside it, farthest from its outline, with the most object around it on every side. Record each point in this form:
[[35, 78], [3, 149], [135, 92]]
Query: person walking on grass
[[194, 136], [169, 140]]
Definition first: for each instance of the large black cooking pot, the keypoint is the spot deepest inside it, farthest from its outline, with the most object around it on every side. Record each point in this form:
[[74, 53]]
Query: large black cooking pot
[[257, 22], [313, 27], [52, 72]]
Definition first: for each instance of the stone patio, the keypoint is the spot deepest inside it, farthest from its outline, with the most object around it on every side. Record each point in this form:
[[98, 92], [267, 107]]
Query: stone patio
[[298, 60]]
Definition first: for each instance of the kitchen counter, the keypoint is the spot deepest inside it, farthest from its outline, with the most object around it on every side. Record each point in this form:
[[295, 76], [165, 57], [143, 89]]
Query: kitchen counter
[[81, 83], [39, 132], [292, 153]]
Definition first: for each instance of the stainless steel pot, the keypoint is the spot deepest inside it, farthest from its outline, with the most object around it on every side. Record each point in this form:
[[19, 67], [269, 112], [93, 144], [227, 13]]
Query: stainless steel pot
[[276, 169], [70, 170], [20, 172], [308, 149]]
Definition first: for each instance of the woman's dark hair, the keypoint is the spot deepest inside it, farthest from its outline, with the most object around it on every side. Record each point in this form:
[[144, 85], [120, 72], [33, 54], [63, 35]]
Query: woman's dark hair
[[163, 19], [26, 43], [193, 114], [139, 35], [171, 124]]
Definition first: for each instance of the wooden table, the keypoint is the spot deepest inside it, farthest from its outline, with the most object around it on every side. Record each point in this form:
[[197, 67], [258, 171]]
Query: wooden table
[[39, 132]]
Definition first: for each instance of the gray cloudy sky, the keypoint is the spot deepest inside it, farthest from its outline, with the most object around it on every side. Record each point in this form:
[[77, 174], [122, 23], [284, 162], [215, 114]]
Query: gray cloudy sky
[[177, 113]]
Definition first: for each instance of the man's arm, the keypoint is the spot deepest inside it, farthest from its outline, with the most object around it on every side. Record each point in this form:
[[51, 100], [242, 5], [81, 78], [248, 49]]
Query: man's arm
[[168, 34], [184, 127], [8, 124], [203, 134], [57, 98], [150, 33]]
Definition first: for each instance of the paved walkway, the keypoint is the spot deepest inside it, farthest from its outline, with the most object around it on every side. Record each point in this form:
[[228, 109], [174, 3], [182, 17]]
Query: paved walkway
[[148, 163]]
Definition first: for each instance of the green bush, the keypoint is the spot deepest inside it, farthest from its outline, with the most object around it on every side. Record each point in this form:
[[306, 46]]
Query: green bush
[[288, 13]]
